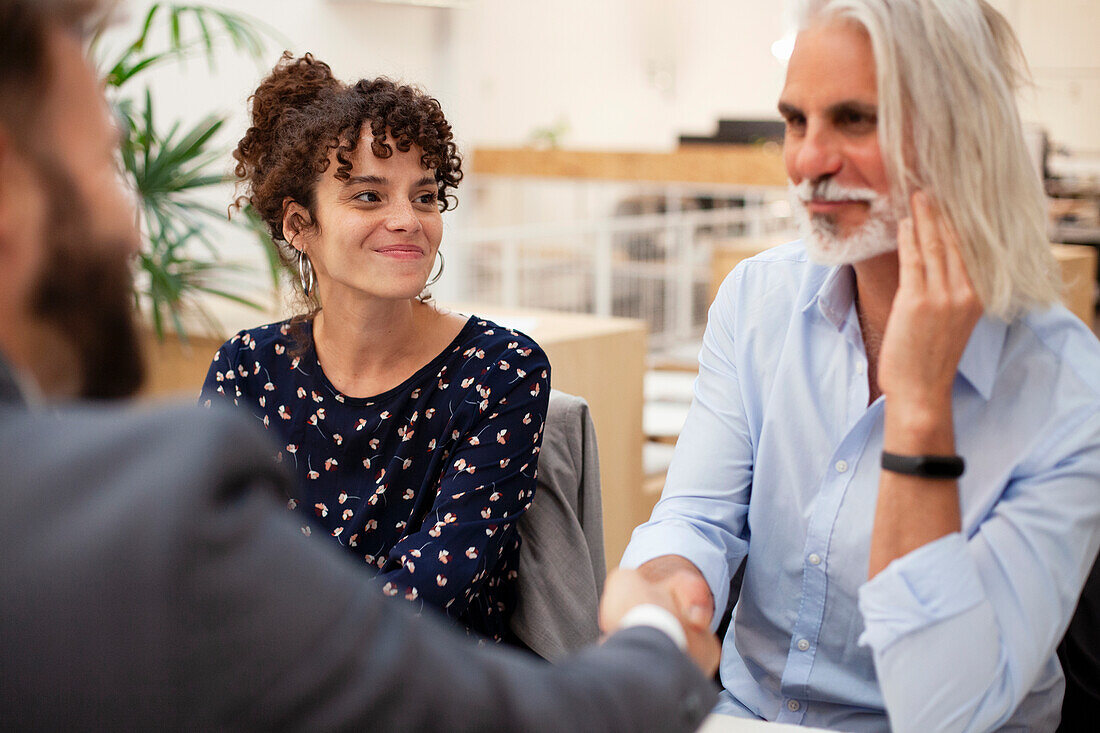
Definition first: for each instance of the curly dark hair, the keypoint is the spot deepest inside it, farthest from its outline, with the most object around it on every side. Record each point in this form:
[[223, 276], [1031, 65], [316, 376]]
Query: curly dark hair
[[301, 113]]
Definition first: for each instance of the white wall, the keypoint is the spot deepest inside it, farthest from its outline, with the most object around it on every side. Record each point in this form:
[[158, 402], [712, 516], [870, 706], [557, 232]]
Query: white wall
[[1061, 40], [623, 74], [626, 74]]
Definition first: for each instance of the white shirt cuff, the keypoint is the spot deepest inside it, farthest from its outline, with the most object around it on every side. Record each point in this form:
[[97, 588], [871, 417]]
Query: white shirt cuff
[[652, 615]]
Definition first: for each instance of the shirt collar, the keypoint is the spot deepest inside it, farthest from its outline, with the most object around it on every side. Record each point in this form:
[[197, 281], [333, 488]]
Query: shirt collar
[[835, 296], [980, 359]]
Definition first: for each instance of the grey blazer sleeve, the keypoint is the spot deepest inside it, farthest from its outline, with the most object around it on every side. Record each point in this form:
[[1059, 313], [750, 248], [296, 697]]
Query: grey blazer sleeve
[[152, 581]]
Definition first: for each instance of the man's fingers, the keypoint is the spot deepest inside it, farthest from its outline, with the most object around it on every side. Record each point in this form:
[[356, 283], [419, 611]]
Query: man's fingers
[[683, 593], [623, 590], [929, 242], [692, 596], [957, 275], [705, 649], [911, 266]]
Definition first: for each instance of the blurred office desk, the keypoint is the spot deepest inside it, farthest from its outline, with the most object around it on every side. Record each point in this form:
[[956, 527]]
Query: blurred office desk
[[602, 360], [728, 724]]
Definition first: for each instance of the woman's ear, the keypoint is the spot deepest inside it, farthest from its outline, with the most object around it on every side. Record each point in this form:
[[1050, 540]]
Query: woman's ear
[[296, 219]]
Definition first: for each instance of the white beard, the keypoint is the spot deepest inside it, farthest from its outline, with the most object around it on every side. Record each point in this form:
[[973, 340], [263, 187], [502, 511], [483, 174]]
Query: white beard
[[824, 243]]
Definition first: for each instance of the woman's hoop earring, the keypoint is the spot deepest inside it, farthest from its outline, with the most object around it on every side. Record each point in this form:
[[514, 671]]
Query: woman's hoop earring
[[438, 274], [305, 273]]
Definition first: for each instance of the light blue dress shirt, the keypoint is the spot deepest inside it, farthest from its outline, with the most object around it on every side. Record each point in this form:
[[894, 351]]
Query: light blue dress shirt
[[778, 466]]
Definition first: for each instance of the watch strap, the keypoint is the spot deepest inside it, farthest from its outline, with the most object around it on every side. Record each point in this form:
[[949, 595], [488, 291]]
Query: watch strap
[[944, 467]]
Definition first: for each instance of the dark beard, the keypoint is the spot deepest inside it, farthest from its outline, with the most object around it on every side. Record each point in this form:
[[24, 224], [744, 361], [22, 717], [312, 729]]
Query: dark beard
[[86, 294]]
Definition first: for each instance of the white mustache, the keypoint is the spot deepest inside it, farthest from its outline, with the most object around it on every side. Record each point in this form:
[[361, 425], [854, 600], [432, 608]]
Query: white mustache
[[830, 190]]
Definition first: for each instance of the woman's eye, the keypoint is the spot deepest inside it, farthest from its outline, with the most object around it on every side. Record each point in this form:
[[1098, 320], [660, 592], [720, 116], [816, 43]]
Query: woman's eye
[[369, 196], [426, 198]]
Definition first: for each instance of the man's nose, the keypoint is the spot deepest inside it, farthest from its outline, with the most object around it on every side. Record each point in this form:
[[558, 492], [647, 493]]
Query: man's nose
[[819, 154]]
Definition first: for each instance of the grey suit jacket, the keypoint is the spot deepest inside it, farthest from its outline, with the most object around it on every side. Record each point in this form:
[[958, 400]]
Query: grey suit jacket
[[151, 579]]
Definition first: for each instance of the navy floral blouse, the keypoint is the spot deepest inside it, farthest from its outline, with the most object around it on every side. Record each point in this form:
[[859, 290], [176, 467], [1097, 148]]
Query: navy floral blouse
[[424, 482]]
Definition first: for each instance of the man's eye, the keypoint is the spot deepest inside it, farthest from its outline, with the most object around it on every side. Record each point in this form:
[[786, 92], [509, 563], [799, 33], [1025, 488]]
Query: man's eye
[[858, 119], [426, 198], [369, 196]]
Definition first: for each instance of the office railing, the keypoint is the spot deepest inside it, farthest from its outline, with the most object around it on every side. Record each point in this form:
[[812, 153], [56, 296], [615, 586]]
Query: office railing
[[652, 266]]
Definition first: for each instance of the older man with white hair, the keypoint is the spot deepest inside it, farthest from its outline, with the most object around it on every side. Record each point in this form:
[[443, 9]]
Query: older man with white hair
[[896, 428]]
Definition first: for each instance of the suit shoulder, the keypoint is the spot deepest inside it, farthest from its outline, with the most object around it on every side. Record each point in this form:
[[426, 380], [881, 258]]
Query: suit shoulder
[[144, 451]]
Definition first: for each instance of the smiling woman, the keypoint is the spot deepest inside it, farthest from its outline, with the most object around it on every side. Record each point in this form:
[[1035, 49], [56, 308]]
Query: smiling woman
[[414, 432]]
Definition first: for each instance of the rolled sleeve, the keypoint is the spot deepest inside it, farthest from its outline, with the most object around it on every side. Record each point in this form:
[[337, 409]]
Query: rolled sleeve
[[985, 613], [930, 584]]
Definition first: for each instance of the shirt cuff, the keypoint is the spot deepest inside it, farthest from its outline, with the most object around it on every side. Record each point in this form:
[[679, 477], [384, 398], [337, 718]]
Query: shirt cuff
[[651, 541], [655, 617], [930, 584]]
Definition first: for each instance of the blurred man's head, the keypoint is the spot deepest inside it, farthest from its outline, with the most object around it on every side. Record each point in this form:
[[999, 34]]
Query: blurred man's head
[[884, 97], [67, 228]]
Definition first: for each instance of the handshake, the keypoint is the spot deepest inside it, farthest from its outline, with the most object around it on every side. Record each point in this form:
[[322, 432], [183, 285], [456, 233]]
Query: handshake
[[675, 584]]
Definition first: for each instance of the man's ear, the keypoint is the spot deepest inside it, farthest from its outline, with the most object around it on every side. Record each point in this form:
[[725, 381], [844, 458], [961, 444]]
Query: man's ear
[[7, 183], [23, 204], [296, 219]]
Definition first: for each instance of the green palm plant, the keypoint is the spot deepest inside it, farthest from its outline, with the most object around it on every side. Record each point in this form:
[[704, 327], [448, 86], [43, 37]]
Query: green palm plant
[[171, 169]]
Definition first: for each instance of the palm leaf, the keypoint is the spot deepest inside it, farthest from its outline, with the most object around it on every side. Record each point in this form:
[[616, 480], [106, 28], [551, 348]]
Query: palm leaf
[[170, 169]]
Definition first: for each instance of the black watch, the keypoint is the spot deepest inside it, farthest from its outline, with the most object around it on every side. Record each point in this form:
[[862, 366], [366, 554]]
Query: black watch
[[924, 466]]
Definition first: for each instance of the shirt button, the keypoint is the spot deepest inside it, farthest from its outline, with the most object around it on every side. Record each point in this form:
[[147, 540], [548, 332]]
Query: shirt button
[[793, 706], [859, 368], [803, 645], [841, 466], [814, 559]]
